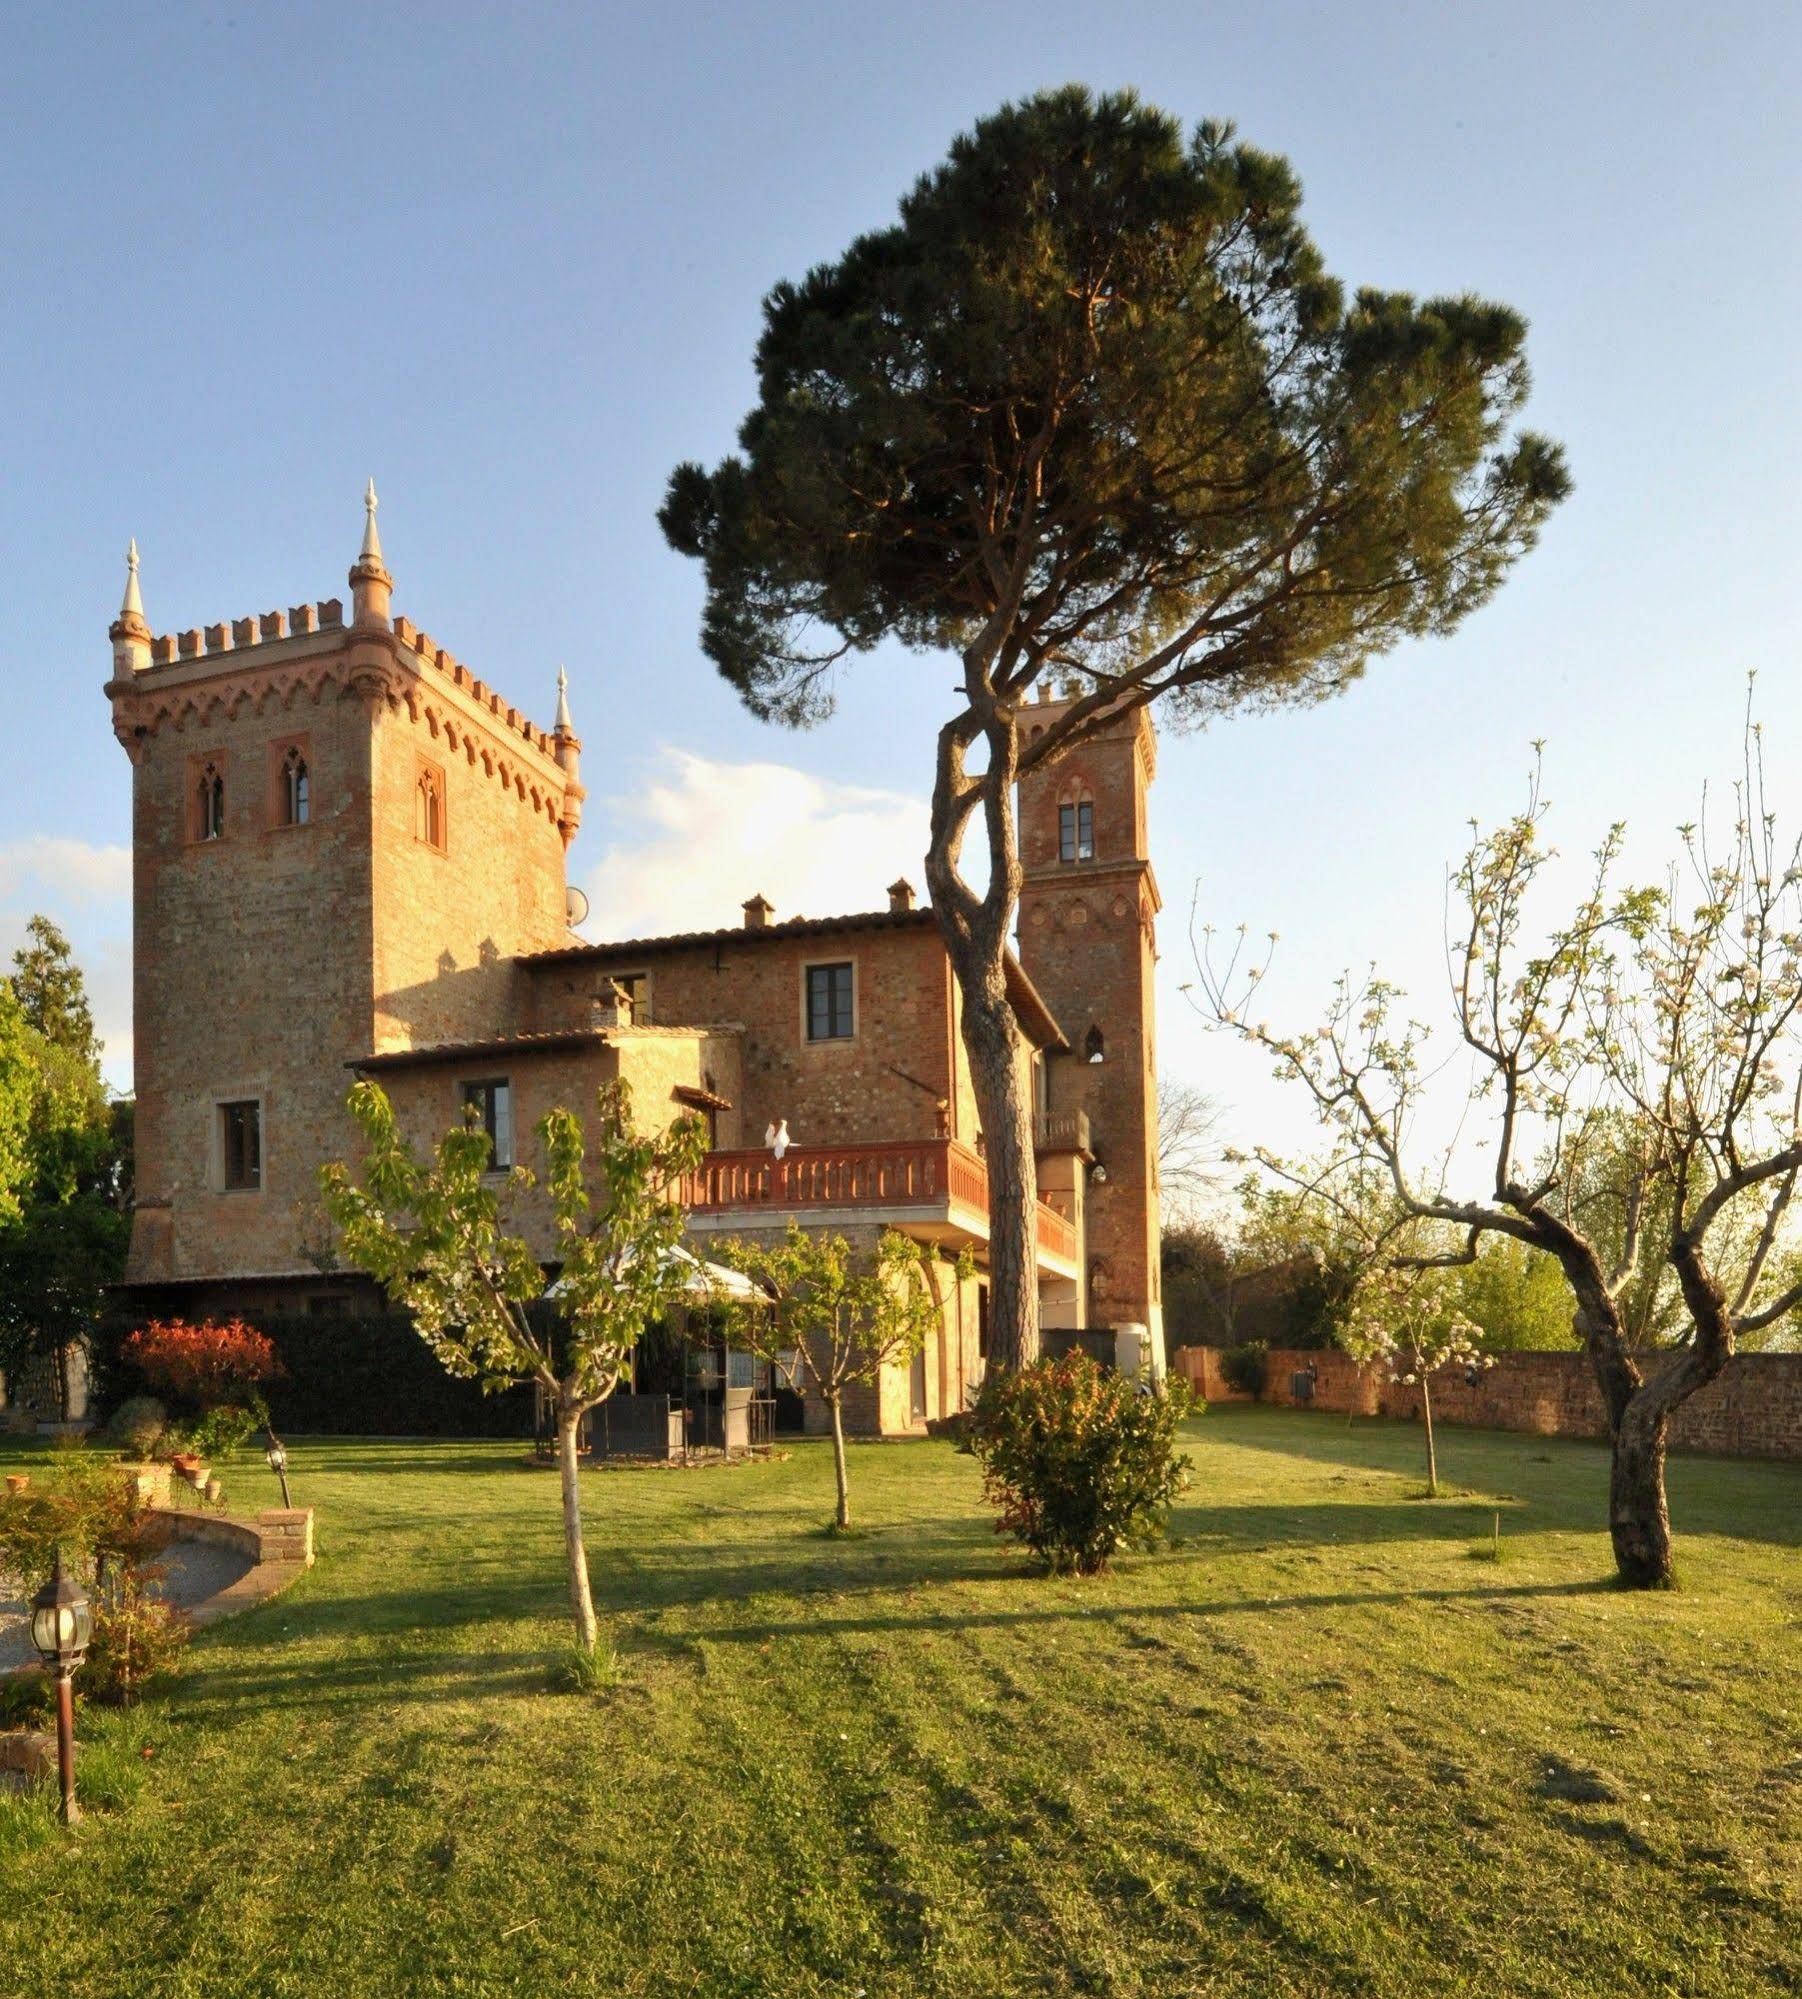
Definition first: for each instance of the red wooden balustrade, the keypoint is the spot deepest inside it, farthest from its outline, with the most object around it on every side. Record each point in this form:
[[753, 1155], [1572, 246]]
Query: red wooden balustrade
[[906, 1173]]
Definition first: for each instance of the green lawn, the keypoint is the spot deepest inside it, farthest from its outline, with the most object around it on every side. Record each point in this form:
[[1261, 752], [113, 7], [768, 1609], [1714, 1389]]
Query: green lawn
[[1314, 1748]]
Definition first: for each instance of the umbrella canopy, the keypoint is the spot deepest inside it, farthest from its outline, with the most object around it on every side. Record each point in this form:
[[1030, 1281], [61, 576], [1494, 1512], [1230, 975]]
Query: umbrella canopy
[[714, 1280], [704, 1282]]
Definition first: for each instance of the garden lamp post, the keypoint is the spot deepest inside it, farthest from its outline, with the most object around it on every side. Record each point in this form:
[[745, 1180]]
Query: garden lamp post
[[276, 1457], [61, 1626]]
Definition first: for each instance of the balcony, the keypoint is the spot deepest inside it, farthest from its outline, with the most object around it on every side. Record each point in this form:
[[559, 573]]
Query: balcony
[[1062, 1131], [932, 1187]]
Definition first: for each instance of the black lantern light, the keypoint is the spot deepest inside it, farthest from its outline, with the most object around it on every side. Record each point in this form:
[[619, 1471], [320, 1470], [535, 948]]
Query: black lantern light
[[61, 1626], [276, 1457]]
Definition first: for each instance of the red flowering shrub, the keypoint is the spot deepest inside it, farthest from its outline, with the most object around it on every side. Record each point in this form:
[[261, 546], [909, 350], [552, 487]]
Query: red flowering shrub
[[1079, 1461], [205, 1366]]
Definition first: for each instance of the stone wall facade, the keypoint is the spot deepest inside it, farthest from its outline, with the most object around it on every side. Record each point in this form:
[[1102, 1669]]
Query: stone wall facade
[[1753, 1411]]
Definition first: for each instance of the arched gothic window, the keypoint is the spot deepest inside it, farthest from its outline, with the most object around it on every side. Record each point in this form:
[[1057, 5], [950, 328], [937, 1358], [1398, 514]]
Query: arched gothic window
[[1094, 1049], [428, 810], [1076, 825], [210, 803], [296, 790]]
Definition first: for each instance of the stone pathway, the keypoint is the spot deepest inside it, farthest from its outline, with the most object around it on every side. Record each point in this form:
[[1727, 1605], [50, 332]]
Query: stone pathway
[[193, 1572]]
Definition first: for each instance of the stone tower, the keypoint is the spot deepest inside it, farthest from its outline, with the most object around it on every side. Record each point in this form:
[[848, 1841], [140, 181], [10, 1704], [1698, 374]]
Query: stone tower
[[340, 839], [1088, 941]]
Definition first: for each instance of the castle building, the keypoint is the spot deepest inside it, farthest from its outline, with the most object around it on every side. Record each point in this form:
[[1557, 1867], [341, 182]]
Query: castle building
[[349, 859]]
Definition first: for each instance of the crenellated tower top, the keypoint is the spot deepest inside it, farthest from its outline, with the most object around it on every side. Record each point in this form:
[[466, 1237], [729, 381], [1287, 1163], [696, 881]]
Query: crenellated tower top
[[172, 679]]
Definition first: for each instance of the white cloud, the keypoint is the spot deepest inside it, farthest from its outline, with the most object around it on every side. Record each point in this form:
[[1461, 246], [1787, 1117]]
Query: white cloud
[[687, 848], [86, 890]]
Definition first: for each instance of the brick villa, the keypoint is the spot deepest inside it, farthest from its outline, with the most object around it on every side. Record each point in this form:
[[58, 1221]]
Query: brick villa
[[349, 858]]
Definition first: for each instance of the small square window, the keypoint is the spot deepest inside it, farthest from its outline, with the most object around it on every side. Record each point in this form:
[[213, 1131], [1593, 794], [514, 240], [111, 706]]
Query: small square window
[[241, 1145], [829, 1002], [1076, 831], [491, 1101]]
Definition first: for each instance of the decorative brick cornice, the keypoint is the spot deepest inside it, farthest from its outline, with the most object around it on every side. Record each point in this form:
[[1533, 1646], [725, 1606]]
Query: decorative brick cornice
[[280, 659]]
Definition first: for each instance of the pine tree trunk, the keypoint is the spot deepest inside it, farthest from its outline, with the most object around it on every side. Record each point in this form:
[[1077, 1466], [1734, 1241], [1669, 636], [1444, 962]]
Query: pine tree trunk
[[993, 1041], [1639, 1520], [1426, 1416], [976, 932], [581, 1599], [838, 1461]]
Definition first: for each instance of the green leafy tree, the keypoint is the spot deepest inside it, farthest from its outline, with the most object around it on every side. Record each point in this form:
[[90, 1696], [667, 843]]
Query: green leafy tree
[[432, 1234], [63, 1232], [53, 993], [18, 1099], [834, 1321], [1092, 414], [1516, 1297]]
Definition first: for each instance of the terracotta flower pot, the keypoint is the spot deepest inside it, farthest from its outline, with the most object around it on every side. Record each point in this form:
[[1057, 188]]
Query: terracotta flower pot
[[213, 1489], [17, 1481]]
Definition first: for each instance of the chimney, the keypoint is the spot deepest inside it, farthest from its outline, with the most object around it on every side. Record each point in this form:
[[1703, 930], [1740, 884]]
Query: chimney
[[758, 912], [900, 896]]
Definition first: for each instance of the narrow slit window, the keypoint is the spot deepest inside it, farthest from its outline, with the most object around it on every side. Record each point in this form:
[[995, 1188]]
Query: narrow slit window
[[297, 790], [428, 810], [1094, 1049], [209, 803], [1076, 831]]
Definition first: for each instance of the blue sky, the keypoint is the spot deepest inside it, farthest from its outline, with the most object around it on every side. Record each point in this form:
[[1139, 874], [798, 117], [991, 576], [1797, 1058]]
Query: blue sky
[[509, 261]]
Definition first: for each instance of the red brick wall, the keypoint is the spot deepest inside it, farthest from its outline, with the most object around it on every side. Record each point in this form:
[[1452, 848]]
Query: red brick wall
[[1753, 1411], [831, 1092], [1088, 942]]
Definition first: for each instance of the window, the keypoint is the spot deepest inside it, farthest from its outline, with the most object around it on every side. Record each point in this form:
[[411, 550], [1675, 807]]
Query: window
[[428, 807], [1076, 831], [829, 1002], [294, 800], [488, 1105], [209, 803], [637, 988], [241, 1145], [1094, 1049]]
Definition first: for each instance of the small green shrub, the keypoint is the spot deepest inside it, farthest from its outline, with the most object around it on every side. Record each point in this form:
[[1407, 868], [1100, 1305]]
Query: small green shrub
[[137, 1425], [27, 1699], [1246, 1366], [222, 1433], [575, 1671], [139, 1638], [1080, 1462]]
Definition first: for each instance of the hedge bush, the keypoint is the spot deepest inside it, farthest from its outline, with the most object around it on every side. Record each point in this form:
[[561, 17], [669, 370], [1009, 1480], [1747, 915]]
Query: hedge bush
[[1080, 1461], [359, 1377], [1246, 1366]]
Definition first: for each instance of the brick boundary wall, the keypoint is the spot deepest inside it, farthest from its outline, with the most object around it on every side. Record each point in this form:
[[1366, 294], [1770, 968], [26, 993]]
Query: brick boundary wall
[[1754, 1410]]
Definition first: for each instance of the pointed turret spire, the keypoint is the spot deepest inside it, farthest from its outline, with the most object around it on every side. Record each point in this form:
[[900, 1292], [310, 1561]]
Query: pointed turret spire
[[371, 587], [128, 631], [372, 540], [565, 727]]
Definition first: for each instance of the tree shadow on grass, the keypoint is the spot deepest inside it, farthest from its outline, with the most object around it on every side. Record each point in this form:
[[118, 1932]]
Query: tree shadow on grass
[[1563, 1479]]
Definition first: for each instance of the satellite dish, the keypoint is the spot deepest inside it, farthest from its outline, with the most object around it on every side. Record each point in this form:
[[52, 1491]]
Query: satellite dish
[[575, 908]]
